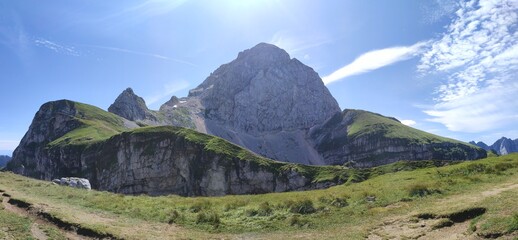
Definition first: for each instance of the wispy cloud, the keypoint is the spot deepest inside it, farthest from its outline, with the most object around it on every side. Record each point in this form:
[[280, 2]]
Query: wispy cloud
[[293, 44], [153, 55], [168, 90], [478, 55], [56, 47], [373, 60], [8, 145]]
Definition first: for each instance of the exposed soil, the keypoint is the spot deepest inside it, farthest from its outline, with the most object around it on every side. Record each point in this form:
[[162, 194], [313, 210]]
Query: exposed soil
[[426, 226], [24, 209]]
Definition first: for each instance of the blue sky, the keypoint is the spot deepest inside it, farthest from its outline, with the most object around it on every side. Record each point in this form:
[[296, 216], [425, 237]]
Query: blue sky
[[447, 67]]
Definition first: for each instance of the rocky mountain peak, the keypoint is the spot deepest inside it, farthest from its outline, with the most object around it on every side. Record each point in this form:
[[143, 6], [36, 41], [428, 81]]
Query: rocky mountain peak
[[174, 101], [263, 90], [130, 106], [263, 55]]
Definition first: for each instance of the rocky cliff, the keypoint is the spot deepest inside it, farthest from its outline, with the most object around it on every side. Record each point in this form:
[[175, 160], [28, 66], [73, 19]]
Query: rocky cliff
[[502, 146], [73, 139], [364, 139]]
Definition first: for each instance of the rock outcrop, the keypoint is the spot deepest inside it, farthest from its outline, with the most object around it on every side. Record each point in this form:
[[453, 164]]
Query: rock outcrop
[[74, 182], [132, 107]]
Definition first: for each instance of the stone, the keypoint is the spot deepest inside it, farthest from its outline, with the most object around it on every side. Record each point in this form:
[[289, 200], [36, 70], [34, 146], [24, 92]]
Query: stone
[[74, 182]]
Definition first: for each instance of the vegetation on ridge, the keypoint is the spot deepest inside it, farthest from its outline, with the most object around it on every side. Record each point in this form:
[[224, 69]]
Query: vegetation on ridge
[[95, 125]]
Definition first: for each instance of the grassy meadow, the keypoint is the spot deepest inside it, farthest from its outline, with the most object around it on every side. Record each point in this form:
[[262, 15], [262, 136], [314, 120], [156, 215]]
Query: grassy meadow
[[403, 191]]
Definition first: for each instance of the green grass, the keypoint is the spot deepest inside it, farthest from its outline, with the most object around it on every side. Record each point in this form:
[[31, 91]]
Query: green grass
[[13, 226], [367, 123], [95, 125], [314, 212]]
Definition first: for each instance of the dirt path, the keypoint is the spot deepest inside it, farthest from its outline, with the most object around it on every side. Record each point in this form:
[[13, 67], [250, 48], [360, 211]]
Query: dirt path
[[36, 228], [409, 227]]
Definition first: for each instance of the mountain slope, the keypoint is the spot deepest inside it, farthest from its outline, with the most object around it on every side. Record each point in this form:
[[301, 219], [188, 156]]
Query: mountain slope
[[366, 139], [73, 139]]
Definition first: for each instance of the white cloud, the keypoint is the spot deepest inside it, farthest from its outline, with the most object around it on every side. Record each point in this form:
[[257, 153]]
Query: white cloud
[[58, 48], [168, 89], [478, 55], [373, 60], [408, 122], [8, 145]]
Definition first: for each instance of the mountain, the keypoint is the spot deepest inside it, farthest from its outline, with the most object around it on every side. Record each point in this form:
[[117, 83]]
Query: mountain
[[365, 139], [502, 146], [73, 139], [4, 160], [263, 101], [279, 108]]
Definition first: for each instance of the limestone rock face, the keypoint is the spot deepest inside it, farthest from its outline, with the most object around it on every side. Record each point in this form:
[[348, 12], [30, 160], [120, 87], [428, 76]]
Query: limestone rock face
[[74, 182], [132, 107], [264, 90]]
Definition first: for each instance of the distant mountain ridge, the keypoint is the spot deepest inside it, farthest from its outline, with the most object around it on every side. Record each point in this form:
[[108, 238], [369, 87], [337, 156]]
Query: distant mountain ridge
[[502, 146], [4, 159]]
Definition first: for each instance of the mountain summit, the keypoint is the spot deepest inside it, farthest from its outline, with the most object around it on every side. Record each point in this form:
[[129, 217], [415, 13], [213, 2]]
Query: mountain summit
[[263, 90]]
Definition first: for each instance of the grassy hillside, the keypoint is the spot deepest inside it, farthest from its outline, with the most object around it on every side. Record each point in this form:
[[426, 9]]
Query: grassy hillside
[[95, 125], [468, 198], [367, 123]]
